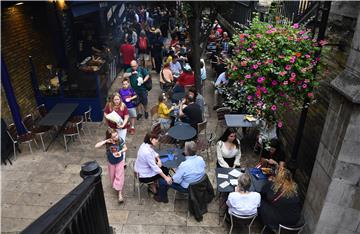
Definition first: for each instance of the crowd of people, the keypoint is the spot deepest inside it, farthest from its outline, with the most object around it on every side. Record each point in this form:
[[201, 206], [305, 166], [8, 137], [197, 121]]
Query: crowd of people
[[143, 49]]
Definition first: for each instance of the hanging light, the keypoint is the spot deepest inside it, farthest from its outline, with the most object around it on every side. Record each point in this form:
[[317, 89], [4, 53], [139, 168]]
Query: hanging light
[[19, 3]]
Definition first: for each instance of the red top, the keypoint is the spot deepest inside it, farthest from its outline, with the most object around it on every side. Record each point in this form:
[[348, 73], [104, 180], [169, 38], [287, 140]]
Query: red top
[[186, 79], [122, 113], [127, 51]]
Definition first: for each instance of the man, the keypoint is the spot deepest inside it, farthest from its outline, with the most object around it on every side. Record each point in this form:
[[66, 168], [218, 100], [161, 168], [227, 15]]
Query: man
[[219, 84], [190, 112], [199, 99], [127, 52], [175, 66], [190, 171], [138, 76]]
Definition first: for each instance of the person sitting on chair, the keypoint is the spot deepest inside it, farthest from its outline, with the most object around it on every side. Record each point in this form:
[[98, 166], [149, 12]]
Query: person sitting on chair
[[190, 171], [164, 113], [242, 202], [148, 164], [228, 149], [280, 203], [190, 112], [272, 155]]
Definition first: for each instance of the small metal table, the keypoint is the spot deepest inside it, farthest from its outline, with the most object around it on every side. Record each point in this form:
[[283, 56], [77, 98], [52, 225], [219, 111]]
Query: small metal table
[[238, 121], [58, 116], [256, 185], [182, 131]]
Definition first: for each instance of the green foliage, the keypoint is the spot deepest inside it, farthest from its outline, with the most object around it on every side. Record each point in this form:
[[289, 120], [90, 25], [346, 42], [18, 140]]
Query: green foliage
[[273, 66]]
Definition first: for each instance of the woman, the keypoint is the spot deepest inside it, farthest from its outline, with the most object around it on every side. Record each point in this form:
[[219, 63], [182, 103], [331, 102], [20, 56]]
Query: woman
[[228, 149], [243, 202], [164, 113], [148, 164], [280, 203], [115, 104], [129, 97], [166, 78], [272, 156], [115, 151]]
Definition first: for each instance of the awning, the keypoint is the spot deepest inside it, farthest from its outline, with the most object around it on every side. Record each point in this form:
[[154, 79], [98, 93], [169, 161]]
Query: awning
[[82, 8]]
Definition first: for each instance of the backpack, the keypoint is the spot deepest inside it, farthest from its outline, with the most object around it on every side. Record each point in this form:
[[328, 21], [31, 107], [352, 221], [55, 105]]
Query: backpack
[[143, 43]]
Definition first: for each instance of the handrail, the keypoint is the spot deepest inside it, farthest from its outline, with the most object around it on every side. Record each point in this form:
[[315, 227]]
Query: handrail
[[83, 210]]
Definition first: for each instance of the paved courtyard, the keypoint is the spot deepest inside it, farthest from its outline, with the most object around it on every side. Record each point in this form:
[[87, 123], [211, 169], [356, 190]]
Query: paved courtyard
[[35, 182]]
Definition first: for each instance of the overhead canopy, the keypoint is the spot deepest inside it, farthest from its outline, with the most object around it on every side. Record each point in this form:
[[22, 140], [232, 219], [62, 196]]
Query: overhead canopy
[[82, 8]]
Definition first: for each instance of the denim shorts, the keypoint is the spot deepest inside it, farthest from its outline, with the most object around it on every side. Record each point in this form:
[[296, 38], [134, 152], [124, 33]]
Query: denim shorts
[[132, 112]]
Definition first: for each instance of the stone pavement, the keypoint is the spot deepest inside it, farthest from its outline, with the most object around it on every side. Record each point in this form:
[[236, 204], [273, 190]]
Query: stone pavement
[[36, 182]]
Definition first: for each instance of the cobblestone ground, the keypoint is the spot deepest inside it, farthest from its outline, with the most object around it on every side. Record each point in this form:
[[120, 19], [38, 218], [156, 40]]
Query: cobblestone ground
[[35, 182]]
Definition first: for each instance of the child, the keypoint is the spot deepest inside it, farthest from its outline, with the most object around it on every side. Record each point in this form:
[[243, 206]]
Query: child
[[130, 99]]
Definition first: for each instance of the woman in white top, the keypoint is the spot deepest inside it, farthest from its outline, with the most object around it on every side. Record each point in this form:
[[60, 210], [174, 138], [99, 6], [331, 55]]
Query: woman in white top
[[228, 149], [242, 202]]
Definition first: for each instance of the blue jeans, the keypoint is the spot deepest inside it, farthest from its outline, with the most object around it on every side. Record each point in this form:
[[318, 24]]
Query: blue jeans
[[163, 188]]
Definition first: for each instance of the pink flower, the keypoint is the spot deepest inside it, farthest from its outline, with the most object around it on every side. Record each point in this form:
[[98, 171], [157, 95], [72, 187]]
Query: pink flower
[[243, 63], [310, 95], [302, 32], [287, 67], [307, 56], [295, 26], [283, 73], [280, 124], [293, 74], [285, 82], [248, 76], [249, 49], [274, 82], [235, 68], [255, 66], [292, 60], [304, 86], [258, 63], [258, 35], [263, 89], [260, 104], [260, 79], [292, 79], [249, 97], [322, 42], [269, 31], [306, 81], [273, 107], [270, 61], [269, 26], [281, 56]]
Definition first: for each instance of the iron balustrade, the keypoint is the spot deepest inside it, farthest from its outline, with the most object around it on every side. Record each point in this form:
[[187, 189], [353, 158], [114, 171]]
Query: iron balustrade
[[83, 210]]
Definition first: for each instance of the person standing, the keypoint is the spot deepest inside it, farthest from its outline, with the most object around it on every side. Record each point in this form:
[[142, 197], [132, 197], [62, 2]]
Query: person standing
[[115, 104], [130, 98], [138, 76], [127, 53], [157, 49], [115, 152]]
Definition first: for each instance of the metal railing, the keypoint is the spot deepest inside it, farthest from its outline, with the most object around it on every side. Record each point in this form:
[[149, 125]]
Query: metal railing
[[83, 210]]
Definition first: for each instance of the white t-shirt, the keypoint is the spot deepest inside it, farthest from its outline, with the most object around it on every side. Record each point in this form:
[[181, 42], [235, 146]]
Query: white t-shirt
[[243, 204]]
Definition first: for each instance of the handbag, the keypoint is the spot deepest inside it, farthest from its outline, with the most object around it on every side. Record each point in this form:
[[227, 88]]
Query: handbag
[[148, 84], [135, 101]]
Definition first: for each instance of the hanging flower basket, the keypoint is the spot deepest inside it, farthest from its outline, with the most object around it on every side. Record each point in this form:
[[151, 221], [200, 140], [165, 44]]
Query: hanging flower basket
[[273, 67]]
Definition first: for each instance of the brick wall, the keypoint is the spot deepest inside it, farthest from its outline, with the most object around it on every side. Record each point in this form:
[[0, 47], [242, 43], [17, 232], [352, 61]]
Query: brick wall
[[24, 30]]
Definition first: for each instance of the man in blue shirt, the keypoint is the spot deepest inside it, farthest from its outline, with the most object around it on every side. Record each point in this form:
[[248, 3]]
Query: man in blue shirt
[[188, 172]]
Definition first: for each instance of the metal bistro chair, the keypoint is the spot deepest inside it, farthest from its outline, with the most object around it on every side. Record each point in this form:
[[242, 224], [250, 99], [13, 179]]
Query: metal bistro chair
[[137, 183], [248, 220], [23, 138], [87, 118], [221, 112], [29, 124], [73, 130], [42, 110], [154, 114], [288, 229], [163, 138]]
